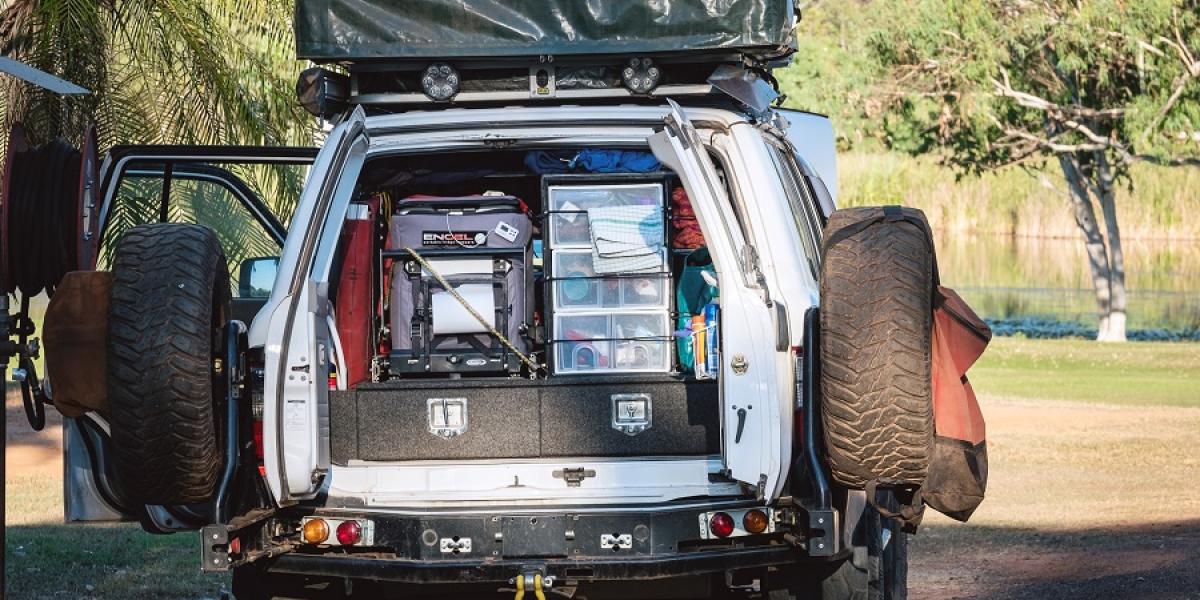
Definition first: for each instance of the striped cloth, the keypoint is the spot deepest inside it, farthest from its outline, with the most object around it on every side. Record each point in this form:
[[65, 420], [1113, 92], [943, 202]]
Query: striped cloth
[[627, 239]]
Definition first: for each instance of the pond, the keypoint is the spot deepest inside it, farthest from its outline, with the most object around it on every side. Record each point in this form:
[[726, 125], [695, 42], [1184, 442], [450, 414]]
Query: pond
[[1006, 277]]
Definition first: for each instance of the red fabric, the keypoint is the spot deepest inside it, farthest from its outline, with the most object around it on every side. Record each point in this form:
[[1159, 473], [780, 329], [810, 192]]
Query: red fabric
[[959, 339], [355, 295], [683, 221]]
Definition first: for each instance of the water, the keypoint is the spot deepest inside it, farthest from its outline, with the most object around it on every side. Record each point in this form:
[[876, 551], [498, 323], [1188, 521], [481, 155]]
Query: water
[[1004, 277]]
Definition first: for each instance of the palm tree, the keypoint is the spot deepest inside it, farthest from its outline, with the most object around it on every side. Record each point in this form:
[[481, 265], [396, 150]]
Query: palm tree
[[161, 71]]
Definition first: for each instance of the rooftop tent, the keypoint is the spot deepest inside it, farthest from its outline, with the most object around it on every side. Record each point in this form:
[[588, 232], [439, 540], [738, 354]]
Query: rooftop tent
[[358, 30]]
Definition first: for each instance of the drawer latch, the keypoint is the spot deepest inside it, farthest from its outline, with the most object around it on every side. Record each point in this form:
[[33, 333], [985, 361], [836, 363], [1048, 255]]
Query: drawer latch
[[632, 413], [574, 476]]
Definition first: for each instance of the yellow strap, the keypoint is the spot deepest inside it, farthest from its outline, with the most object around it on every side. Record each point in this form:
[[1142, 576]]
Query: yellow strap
[[520, 587], [537, 587], [533, 366]]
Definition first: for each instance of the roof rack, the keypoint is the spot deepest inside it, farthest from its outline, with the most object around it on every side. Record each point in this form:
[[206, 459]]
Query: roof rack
[[546, 80]]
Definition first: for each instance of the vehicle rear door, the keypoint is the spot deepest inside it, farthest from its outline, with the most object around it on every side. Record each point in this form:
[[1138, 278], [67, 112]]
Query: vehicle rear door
[[814, 147], [298, 338], [749, 398], [247, 196]]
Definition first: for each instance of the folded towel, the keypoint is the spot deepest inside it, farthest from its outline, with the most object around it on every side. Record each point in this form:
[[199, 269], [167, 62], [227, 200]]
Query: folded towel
[[627, 238]]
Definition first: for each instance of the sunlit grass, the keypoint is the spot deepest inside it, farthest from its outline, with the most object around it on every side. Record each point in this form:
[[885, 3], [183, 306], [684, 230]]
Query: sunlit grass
[[45, 558], [1138, 373]]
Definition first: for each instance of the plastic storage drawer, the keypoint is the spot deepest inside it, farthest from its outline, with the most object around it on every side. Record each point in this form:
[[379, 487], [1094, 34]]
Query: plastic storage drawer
[[621, 342], [569, 225], [577, 287]]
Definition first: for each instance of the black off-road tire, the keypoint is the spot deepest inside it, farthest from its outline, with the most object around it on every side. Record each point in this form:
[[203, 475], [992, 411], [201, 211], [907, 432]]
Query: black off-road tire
[[876, 319], [170, 297]]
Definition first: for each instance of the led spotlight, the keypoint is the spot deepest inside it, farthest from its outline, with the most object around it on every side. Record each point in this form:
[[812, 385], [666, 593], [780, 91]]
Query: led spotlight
[[640, 75], [440, 82]]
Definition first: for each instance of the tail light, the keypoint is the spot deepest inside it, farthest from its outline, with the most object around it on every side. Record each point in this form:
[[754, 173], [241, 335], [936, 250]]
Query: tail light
[[721, 525], [349, 533], [737, 522], [315, 531], [344, 532], [754, 521]]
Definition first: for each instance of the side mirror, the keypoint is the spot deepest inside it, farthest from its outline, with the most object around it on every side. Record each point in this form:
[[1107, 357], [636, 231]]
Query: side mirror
[[256, 276]]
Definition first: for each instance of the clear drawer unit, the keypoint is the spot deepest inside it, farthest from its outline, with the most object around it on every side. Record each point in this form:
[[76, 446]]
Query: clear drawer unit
[[609, 292]]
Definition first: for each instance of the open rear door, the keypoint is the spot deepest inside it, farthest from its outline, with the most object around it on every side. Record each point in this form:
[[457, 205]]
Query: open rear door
[[246, 195], [750, 411], [814, 145], [298, 340]]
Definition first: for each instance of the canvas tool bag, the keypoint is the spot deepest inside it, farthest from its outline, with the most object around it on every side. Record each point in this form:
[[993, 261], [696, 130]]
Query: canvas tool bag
[[75, 331], [958, 471]]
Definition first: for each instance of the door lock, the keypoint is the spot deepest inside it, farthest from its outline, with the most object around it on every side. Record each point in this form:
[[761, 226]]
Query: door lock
[[739, 364]]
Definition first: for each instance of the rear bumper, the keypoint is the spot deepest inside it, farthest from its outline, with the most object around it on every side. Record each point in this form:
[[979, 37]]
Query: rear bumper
[[494, 548], [501, 571]]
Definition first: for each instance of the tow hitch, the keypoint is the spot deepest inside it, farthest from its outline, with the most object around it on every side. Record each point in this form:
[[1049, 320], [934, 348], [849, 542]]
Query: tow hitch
[[532, 580]]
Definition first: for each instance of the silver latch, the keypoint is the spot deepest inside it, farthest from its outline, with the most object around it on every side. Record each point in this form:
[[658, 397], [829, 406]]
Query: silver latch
[[573, 476], [739, 364], [632, 413], [447, 416]]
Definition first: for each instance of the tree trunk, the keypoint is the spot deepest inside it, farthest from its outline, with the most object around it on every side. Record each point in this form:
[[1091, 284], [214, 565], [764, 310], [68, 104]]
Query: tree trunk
[[1106, 194], [1093, 240]]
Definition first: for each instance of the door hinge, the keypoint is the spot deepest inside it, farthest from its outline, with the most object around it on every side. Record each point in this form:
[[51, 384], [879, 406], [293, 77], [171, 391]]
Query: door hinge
[[574, 477]]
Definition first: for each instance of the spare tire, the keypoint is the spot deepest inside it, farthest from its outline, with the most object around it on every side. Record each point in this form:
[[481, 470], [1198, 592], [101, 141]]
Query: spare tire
[[877, 279], [170, 298]]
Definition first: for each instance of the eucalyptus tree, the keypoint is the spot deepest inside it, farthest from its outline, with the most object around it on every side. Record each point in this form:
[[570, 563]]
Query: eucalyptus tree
[[1090, 86]]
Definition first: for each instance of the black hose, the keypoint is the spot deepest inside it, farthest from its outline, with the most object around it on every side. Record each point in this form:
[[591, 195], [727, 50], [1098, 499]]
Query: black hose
[[43, 204]]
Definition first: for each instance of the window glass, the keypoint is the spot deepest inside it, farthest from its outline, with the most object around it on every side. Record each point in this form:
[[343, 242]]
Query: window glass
[[800, 204], [235, 200]]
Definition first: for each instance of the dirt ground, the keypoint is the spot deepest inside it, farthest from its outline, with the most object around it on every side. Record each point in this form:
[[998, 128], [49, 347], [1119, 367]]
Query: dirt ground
[[1088, 502]]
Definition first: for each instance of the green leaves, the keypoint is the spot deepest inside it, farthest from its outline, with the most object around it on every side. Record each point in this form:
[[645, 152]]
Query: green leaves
[[925, 75], [163, 71]]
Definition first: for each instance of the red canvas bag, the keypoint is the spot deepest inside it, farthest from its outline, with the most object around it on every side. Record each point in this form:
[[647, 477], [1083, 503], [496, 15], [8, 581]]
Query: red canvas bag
[[957, 477]]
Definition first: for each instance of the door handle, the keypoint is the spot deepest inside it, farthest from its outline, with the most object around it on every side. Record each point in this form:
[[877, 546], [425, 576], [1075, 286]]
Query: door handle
[[741, 414]]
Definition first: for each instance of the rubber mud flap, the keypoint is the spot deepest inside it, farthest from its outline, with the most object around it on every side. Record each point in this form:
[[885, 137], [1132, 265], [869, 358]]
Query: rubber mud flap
[[877, 284]]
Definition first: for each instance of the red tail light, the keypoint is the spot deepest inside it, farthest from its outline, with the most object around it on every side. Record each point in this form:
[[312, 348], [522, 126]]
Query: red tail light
[[349, 533], [721, 525]]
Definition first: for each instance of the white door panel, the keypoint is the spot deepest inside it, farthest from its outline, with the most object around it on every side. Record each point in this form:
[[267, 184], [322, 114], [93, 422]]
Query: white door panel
[[296, 395], [749, 400]]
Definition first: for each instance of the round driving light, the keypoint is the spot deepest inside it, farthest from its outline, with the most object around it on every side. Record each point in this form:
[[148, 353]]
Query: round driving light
[[440, 82], [640, 75], [721, 525], [349, 533], [316, 531], [754, 521]]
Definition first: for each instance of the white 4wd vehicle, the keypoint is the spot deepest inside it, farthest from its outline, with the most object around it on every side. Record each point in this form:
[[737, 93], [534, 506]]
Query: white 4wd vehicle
[[323, 445]]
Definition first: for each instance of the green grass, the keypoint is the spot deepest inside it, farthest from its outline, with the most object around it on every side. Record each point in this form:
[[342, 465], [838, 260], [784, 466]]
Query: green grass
[[45, 558], [1141, 373]]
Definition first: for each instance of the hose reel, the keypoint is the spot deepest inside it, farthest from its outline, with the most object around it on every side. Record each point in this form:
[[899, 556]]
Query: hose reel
[[46, 189]]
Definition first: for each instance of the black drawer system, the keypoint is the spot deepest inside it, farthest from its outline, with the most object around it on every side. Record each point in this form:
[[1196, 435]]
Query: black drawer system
[[637, 415]]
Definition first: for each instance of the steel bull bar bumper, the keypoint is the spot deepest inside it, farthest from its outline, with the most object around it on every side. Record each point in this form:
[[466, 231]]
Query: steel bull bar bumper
[[581, 547]]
